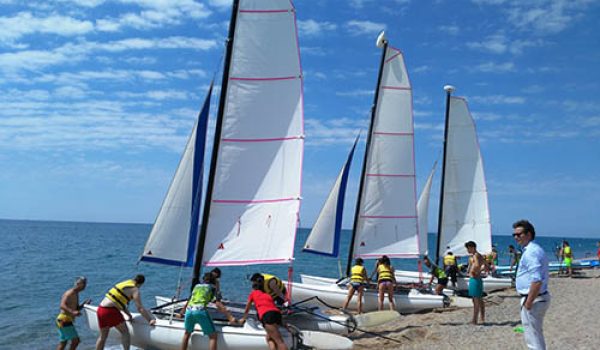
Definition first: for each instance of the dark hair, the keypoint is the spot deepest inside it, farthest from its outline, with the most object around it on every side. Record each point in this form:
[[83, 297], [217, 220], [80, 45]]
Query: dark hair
[[216, 272], [566, 243], [470, 244], [425, 257], [511, 246], [359, 261], [139, 279], [257, 276], [384, 260], [208, 278], [256, 285], [258, 281], [527, 227]]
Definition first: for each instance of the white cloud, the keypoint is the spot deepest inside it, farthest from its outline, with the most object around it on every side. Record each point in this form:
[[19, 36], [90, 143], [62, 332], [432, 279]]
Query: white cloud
[[24, 23], [364, 27], [492, 67], [450, 29], [499, 99], [334, 131], [312, 27], [359, 4], [355, 93], [421, 69]]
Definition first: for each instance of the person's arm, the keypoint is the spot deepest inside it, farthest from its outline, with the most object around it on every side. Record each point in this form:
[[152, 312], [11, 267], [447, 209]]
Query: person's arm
[[366, 275], [246, 310], [274, 287], [534, 291], [64, 305], [138, 304], [374, 273], [182, 313]]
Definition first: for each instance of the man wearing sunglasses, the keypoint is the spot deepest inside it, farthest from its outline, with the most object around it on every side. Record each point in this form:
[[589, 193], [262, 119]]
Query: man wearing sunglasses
[[532, 284]]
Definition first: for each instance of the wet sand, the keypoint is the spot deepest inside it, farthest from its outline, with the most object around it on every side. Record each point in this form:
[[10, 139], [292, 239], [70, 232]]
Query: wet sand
[[572, 322]]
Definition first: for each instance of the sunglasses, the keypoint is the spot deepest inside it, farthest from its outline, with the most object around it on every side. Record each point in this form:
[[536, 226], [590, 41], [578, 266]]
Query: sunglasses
[[518, 234]]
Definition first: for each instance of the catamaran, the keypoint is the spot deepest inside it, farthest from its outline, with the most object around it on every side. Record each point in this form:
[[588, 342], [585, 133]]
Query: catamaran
[[252, 198], [463, 210], [385, 222]]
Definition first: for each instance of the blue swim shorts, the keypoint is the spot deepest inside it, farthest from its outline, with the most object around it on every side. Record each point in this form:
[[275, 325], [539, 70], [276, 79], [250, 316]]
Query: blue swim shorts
[[67, 333], [475, 287], [201, 317]]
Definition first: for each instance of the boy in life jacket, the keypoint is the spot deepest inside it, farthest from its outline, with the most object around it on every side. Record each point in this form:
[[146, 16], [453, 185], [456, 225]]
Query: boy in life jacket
[[197, 313], [272, 286], [358, 282], [451, 267], [115, 301], [442, 280], [69, 309], [567, 256]]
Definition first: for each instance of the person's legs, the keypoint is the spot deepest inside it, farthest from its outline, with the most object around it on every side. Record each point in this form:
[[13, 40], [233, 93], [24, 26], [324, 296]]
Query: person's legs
[[212, 341], [61, 345], [125, 337], [381, 290], [482, 310], [74, 343], [476, 302], [438, 289], [390, 291], [273, 333], [102, 338], [184, 341], [349, 296], [361, 290], [533, 321]]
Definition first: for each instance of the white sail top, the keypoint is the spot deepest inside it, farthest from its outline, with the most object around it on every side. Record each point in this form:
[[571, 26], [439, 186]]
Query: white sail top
[[256, 194], [325, 235], [465, 215], [387, 222], [423, 213]]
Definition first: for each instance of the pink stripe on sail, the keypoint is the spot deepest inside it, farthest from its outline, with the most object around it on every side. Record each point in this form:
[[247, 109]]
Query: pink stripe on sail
[[247, 262], [391, 58], [392, 175], [405, 88], [387, 217], [264, 79], [264, 11], [253, 201], [264, 140], [393, 133], [391, 255]]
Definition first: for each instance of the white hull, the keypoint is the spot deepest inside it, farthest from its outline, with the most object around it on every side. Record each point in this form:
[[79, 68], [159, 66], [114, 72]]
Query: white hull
[[489, 283], [335, 295], [167, 335], [339, 324]]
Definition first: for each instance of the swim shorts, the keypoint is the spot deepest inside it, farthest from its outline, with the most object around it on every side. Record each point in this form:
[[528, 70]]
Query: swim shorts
[[475, 287], [271, 317], [67, 333], [109, 317], [357, 285], [443, 281], [568, 262], [201, 317]]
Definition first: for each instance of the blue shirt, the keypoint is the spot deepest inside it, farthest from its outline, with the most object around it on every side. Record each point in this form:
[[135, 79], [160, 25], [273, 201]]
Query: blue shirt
[[533, 267]]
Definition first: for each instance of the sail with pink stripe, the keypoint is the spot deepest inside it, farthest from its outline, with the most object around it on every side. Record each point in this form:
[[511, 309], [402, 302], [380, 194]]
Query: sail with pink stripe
[[254, 201], [386, 220]]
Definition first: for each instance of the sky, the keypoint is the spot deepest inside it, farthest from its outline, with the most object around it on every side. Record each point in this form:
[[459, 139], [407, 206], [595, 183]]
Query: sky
[[98, 97]]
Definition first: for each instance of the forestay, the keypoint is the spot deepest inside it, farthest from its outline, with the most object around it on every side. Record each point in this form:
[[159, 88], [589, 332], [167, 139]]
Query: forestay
[[387, 221], [324, 238], [172, 240], [257, 183], [466, 215], [423, 213]]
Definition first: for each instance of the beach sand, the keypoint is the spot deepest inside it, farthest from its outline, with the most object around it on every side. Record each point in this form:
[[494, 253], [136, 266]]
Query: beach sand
[[572, 322]]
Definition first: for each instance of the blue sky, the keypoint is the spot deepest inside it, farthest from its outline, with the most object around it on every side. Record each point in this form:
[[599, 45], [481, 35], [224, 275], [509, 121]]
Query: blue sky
[[97, 98]]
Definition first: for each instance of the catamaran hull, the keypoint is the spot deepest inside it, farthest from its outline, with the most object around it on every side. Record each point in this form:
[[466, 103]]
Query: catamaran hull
[[339, 324], [167, 335], [489, 283], [335, 295]]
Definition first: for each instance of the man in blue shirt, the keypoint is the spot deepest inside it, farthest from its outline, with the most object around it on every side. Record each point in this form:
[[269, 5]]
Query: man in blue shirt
[[532, 284]]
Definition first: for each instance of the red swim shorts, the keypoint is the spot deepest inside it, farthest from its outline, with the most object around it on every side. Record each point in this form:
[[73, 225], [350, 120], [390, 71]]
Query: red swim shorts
[[109, 317]]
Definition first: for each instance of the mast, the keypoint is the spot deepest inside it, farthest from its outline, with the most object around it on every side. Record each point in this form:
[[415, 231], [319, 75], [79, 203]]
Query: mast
[[383, 44], [216, 142], [449, 89]]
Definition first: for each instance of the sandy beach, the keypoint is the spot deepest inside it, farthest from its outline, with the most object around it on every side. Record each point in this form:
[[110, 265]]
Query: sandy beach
[[572, 322]]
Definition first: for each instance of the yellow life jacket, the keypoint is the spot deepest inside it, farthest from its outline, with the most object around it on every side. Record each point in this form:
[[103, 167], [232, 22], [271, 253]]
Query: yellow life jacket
[[449, 260], [357, 274], [384, 273], [64, 320], [268, 289], [567, 252], [118, 296]]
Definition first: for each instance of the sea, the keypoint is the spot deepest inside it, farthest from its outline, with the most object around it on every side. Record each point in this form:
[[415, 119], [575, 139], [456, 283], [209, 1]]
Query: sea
[[41, 260]]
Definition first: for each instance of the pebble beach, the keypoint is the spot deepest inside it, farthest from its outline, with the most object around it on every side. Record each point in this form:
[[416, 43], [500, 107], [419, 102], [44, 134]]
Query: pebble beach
[[572, 322]]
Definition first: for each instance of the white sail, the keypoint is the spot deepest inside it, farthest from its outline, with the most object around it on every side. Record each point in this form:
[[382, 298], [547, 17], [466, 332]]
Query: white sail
[[387, 221], [256, 194], [465, 215], [172, 240], [324, 237], [423, 213]]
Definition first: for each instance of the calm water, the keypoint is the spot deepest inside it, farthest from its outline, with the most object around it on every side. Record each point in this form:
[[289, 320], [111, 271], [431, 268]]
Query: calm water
[[41, 260]]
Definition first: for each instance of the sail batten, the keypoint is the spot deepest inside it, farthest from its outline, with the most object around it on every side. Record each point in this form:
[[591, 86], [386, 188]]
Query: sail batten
[[466, 213]]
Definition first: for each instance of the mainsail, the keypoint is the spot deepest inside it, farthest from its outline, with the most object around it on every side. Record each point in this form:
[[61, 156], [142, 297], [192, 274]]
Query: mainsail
[[324, 237], [423, 213], [172, 240], [465, 214], [254, 201], [386, 220]]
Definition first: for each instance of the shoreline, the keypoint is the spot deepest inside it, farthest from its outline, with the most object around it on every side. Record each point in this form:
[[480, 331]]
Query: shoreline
[[572, 321]]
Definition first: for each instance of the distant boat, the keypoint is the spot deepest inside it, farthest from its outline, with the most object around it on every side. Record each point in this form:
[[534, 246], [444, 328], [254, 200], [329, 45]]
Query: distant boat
[[252, 201], [385, 222], [464, 213]]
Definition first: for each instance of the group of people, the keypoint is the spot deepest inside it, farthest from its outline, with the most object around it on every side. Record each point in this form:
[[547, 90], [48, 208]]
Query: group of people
[[359, 280], [268, 297]]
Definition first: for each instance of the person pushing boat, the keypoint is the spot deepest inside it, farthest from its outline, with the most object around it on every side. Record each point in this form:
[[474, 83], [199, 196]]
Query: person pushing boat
[[451, 267], [115, 302], [437, 272], [272, 286], [358, 280], [386, 281], [69, 309]]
